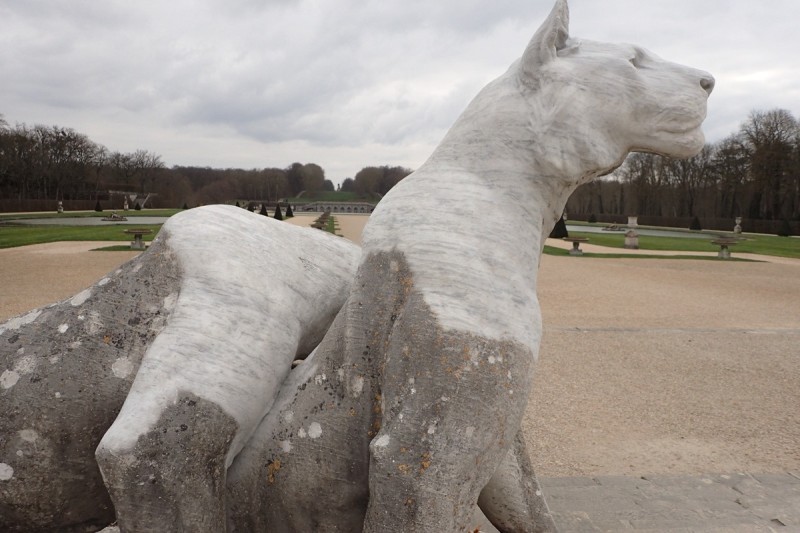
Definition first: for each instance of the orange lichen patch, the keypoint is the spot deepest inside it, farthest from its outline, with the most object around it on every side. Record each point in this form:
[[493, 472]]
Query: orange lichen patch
[[376, 427], [425, 462], [107, 339], [272, 469], [403, 468], [352, 412], [465, 353], [377, 409]]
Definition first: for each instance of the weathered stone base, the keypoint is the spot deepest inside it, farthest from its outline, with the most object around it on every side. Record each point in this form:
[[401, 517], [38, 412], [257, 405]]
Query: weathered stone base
[[174, 477], [67, 369]]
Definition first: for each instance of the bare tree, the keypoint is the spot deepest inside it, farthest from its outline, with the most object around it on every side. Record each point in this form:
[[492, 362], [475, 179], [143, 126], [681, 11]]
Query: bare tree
[[731, 165], [146, 166], [313, 178], [276, 183], [771, 137], [378, 180]]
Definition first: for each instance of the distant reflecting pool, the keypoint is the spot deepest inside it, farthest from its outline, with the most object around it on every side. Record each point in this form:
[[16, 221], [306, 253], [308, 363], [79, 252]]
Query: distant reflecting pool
[[650, 232], [88, 221]]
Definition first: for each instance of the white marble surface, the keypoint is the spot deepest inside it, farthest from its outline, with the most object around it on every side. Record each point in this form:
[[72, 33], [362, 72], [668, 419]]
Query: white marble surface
[[255, 293]]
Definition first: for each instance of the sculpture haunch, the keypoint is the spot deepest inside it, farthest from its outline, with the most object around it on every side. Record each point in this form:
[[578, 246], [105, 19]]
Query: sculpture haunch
[[407, 413]]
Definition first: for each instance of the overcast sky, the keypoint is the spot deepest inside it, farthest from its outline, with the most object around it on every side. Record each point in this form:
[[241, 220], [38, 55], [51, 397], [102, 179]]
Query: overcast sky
[[343, 83]]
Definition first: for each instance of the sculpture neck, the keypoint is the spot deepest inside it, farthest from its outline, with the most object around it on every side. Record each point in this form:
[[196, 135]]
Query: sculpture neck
[[523, 147], [529, 194]]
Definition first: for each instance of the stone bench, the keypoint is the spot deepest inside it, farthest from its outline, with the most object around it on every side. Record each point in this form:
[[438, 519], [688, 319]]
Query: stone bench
[[138, 243]]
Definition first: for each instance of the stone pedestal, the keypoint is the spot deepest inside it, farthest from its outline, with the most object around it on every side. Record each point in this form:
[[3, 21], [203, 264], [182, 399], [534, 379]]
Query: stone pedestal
[[631, 237], [724, 250], [576, 244], [632, 240]]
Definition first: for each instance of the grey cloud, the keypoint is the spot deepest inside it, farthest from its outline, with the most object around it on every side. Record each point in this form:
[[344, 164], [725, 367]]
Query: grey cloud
[[344, 73]]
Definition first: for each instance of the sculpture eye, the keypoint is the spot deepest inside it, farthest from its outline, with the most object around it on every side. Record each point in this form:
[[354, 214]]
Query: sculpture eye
[[637, 59]]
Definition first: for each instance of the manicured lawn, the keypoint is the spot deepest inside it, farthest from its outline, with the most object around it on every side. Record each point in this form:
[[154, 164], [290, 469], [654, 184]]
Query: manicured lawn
[[11, 236], [120, 248], [756, 244], [83, 214], [331, 226], [552, 250]]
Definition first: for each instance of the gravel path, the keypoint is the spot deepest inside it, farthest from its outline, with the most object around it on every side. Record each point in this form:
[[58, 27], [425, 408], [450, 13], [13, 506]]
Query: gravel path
[[349, 226], [666, 367], [646, 366], [41, 274]]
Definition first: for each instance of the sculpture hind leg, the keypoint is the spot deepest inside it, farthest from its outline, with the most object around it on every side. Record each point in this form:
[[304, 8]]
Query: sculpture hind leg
[[513, 500], [256, 293], [66, 370]]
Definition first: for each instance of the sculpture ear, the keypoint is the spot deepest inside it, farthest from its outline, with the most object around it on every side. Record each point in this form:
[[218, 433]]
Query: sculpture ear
[[547, 41]]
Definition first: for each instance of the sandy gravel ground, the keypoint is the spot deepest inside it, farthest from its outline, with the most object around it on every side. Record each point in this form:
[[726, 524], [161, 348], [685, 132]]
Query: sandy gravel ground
[[40, 274], [349, 226], [646, 366], [666, 367]]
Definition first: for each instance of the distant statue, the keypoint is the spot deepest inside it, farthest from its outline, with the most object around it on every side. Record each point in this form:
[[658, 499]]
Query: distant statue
[[60, 208], [406, 414]]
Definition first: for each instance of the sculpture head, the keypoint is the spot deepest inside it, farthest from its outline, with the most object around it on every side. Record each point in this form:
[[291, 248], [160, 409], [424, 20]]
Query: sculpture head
[[621, 97]]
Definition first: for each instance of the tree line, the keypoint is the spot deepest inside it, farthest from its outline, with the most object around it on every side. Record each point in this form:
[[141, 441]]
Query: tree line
[[753, 173], [57, 163], [54, 163]]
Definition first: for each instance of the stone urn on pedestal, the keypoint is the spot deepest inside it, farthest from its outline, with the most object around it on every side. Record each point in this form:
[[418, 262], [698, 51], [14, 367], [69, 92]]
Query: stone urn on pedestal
[[631, 237]]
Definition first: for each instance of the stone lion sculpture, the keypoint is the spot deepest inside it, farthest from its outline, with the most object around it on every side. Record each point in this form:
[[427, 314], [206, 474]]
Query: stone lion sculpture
[[406, 415]]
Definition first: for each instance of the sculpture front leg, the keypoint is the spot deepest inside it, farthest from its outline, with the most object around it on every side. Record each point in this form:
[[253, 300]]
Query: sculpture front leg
[[452, 404]]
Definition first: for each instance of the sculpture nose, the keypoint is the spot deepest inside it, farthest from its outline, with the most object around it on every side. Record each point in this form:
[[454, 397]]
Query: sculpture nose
[[707, 83]]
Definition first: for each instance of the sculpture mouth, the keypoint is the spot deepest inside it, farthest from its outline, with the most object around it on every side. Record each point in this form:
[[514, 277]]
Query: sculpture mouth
[[686, 130]]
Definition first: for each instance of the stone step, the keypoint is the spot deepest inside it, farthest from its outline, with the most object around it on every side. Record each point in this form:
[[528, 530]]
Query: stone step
[[714, 503]]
